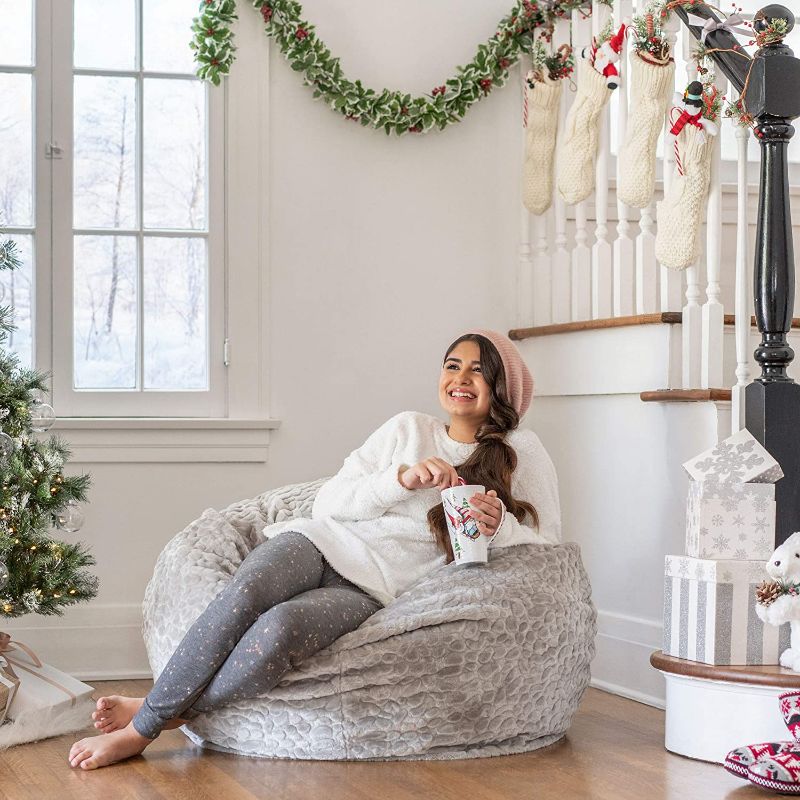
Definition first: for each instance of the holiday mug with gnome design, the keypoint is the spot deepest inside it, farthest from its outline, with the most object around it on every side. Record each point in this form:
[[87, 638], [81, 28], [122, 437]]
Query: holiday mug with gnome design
[[470, 546]]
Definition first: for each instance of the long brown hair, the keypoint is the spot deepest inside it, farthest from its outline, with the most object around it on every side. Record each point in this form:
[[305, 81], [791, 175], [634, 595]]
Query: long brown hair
[[493, 461]]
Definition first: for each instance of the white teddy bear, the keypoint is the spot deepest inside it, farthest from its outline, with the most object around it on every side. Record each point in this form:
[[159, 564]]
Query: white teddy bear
[[784, 566]]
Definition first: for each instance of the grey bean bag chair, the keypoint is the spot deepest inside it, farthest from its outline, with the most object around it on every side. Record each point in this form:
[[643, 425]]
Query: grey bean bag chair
[[468, 662]]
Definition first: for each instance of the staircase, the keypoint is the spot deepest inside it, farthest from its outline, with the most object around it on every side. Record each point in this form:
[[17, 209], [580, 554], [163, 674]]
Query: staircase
[[638, 368]]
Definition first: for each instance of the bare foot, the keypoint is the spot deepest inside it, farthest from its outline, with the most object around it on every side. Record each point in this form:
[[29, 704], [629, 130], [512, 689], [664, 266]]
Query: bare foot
[[115, 712], [100, 751]]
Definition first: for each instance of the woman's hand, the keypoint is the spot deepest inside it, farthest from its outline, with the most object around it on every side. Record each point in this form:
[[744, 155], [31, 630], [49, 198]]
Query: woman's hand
[[432, 473], [487, 511]]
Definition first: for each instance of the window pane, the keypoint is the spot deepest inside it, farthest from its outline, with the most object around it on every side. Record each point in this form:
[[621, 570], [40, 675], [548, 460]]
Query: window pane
[[105, 152], [174, 154], [167, 32], [16, 150], [15, 291], [175, 297], [105, 312], [16, 32], [105, 34]]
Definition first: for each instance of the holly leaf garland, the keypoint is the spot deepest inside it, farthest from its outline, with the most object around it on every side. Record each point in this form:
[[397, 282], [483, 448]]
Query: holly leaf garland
[[391, 111]]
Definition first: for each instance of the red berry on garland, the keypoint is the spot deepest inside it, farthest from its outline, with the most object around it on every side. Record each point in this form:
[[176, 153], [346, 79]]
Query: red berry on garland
[[415, 129], [301, 34], [214, 62], [210, 32], [266, 12], [404, 110], [504, 63], [486, 85]]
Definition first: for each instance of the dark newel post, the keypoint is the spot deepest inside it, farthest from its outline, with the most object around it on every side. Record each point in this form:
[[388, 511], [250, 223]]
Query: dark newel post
[[772, 401]]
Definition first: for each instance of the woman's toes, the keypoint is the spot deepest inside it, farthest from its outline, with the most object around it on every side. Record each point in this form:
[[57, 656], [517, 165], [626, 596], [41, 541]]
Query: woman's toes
[[89, 763], [76, 754]]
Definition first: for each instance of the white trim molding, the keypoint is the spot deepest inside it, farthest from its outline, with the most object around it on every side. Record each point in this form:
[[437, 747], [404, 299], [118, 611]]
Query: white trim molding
[[622, 664], [165, 439], [96, 641]]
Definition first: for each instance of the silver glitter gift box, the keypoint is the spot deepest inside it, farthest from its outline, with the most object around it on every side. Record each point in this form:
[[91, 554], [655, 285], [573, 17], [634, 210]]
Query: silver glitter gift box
[[730, 520], [738, 458], [710, 616]]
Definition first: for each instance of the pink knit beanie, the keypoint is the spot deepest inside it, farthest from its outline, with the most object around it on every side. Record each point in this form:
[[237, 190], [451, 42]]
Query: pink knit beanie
[[518, 378]]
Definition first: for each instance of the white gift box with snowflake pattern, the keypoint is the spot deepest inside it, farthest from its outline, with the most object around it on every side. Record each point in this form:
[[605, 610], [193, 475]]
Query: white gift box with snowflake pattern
[[738, 458], [710, 616], [730, 520]]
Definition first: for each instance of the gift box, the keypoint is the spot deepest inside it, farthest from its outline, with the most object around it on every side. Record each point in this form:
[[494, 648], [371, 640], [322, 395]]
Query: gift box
[[8, 687], [710, 616], [738, 458], [41, 686], [730, 520]]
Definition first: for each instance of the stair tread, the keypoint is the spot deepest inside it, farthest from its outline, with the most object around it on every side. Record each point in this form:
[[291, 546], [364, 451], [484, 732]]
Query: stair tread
[[685, 395], [665, 317]]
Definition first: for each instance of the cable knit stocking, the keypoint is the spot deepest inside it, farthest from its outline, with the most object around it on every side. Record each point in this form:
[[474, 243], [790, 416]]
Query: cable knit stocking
[[680, 214], [540, 144], [577, 149], [651, 87]]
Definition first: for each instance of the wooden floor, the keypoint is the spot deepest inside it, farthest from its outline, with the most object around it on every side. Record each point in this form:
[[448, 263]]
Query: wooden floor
[[614, 750]]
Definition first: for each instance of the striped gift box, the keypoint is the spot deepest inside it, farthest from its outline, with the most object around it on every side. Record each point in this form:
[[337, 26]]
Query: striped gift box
[[710, 616]]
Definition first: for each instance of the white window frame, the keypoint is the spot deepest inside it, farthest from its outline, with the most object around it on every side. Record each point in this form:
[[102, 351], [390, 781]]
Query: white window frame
[[53, 238]]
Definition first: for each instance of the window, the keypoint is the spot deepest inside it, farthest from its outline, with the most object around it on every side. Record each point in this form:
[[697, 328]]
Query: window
[[111, 182]]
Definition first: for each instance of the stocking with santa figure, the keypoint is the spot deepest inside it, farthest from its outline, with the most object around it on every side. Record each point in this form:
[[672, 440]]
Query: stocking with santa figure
[[577, 151]]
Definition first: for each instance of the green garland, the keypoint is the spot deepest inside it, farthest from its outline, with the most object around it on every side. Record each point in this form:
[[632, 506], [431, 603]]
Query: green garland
[[392, 111]]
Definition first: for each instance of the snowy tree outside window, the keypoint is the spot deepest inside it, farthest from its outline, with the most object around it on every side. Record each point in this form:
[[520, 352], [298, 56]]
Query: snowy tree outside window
[[134, 144]]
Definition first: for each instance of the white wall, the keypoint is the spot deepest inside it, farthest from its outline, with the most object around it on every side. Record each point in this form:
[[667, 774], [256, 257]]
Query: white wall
[[380, 252]]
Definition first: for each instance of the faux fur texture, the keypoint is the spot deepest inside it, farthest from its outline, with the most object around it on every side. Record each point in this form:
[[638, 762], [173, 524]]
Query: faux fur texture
[[468, 662]]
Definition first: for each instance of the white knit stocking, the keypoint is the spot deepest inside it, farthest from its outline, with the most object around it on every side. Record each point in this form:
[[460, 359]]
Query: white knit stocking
[[577, 149], [540, 144], [651, 87], [680, 214]]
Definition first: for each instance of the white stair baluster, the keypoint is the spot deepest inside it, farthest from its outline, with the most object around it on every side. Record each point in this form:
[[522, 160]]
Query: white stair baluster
[[646, 266], [670, 281], [624, 290], [692, 312], [744, 286], [602, 255], [692, 323], [582, 254], [542, 273], [562, 260], [713, 312], [525, 284]]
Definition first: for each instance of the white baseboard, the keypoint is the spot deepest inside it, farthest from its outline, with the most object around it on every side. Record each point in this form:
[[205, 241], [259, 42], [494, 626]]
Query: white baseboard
[[630, 694], [622, 664], [92, 642]]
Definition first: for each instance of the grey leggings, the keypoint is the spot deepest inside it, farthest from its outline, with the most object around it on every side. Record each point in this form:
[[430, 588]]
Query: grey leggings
[[284, 604]]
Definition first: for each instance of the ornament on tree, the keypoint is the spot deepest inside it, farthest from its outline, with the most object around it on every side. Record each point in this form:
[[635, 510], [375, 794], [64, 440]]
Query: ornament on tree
[[680, 213], [577, 148], [652, 76], [542, 100], [7, 446], [3, 575], [70, 518], [42, 416]]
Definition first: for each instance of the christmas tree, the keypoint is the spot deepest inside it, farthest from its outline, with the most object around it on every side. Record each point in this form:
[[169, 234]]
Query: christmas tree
[[38, 574]]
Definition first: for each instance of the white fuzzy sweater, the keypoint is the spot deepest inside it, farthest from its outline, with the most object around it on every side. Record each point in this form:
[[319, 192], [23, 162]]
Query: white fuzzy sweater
[[374, 531]]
